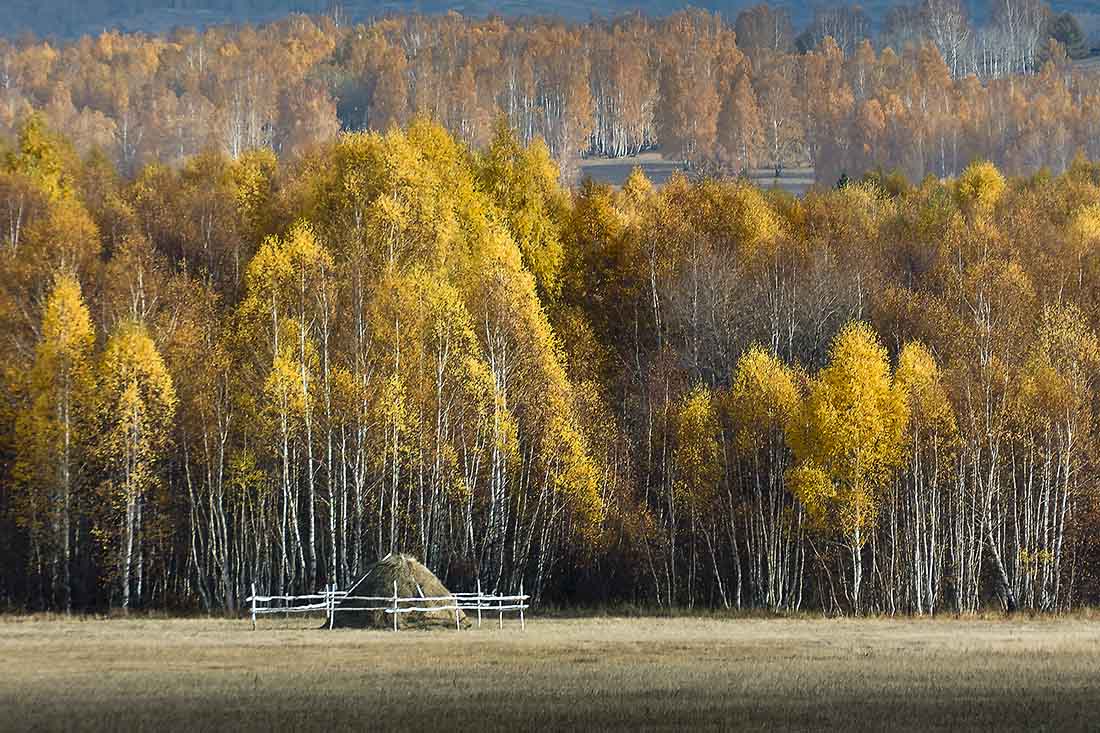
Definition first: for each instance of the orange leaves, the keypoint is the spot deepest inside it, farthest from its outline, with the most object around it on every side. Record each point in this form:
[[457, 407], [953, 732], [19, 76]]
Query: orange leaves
[[870, 124]]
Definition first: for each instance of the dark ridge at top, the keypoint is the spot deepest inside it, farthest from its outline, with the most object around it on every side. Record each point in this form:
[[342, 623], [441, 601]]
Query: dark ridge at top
[[73, 18]]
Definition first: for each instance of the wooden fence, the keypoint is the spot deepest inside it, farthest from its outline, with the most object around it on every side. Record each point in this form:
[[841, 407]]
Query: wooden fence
[[332, 601]]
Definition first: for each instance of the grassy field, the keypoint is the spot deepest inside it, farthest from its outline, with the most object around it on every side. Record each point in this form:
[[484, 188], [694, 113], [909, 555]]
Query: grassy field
[[658, 170], [203, 674]]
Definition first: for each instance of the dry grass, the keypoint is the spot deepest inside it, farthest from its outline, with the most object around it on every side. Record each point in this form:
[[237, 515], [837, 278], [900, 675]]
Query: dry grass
[[658, 170], [200, 674]]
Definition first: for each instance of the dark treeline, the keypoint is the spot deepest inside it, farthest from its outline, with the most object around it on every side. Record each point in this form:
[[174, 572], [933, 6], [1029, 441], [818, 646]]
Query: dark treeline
[[274, 370], [931, 92]]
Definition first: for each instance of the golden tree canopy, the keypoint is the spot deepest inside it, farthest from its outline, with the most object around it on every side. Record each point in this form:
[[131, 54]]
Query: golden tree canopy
[[848, 435]]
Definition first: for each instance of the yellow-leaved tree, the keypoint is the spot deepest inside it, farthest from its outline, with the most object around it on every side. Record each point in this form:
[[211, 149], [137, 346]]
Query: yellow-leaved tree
[[51, 435], [136, 410], [1055, 410], [761, 401], [932, 439], [696, 471], [848, 437], [523, 183], [42, 157], [980, 188], [739, 217], [284, 312]]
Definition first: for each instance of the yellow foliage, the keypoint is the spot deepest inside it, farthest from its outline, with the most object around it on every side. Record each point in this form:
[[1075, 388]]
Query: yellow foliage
[[67, 333], [980, 188], [523, 182], [1062, 367], [919, 376], [52, 429], [738, 213], [252, 175], [816, 492], [440, 252], [283, 387], [637, 188], [762, 398], [576, 476], [42, 157], [132, 365], [697, 455], [848, 435], [137, 410], [1085, 225], [281, 264], [244, 476]]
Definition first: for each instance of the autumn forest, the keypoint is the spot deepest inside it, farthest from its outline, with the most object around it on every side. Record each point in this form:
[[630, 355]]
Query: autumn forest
[[276, 302]]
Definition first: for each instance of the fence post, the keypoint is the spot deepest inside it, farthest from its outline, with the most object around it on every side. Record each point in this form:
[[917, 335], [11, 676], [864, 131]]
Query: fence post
[[331, 605], [457, 611], [500, 609], [522, 625], [395, 605], [479, 603], [253, 606]]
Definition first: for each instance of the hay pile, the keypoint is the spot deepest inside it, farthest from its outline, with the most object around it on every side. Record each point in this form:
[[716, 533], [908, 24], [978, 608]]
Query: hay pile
[[413, 581]]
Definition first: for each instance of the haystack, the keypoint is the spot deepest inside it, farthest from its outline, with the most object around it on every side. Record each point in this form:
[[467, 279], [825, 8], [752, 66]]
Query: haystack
[[413, 581]]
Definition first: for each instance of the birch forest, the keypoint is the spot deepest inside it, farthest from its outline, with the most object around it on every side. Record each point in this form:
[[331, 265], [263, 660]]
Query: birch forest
[[275, 303], [926, 94]]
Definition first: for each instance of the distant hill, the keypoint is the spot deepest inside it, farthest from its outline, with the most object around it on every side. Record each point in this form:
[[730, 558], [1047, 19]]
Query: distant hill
[[69, 18]]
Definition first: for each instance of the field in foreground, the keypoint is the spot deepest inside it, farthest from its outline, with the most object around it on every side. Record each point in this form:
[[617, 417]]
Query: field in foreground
[[206, 674]]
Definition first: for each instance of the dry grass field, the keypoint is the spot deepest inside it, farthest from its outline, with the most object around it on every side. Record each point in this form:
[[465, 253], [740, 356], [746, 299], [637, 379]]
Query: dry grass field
[[658, 170], [203, 674]]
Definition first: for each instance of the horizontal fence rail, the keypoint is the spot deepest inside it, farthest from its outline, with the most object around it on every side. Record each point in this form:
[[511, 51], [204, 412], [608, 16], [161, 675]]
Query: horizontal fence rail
[[332, 601]]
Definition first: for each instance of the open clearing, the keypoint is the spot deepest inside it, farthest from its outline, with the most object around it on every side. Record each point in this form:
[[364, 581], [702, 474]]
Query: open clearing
[[615, 171], [203, 674]]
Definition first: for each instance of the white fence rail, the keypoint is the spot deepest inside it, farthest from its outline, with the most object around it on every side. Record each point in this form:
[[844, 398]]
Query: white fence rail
[[333, 601]]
